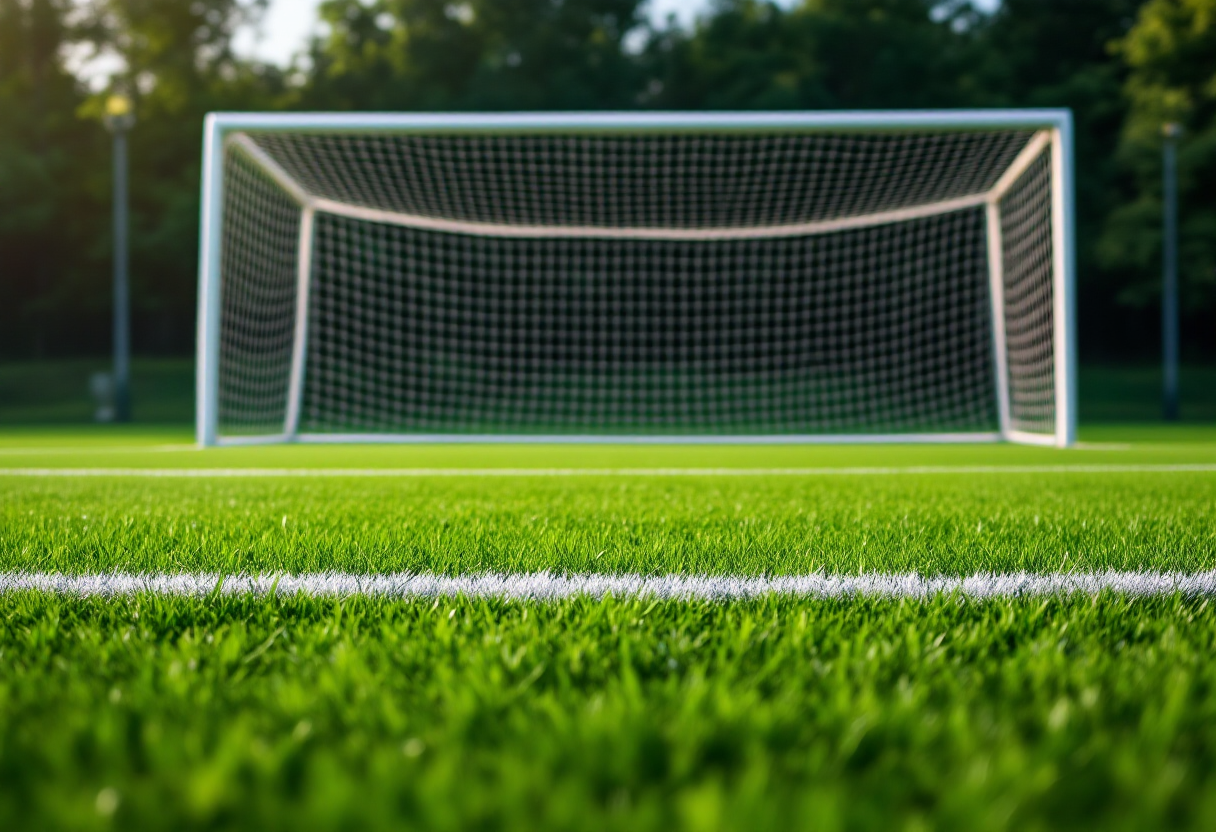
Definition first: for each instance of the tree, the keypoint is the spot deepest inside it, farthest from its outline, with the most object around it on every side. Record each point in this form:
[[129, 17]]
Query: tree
[[479, 54], [822, 54], [176, 59], [46, 251], [1171, 56]]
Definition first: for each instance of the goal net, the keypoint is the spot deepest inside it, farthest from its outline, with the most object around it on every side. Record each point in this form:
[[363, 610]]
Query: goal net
[[625, 277]]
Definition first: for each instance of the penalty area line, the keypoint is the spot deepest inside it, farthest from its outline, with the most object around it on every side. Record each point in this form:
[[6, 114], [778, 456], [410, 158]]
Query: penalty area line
[[871, 471], [548, 586]]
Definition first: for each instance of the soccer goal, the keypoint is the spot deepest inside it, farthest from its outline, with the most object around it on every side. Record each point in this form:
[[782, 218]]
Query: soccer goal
[[629, 277]]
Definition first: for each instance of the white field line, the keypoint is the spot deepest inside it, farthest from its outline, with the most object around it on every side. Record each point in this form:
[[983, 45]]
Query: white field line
[[201, 473], [115, 449], [192, 448], [547, 586]]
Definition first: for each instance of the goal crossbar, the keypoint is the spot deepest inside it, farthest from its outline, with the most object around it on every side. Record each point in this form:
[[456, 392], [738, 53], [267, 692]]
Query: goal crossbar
[[1051, 134]]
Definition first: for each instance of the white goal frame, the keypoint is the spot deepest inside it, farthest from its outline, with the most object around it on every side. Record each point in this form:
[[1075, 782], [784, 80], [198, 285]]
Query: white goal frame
[[1053, 129]]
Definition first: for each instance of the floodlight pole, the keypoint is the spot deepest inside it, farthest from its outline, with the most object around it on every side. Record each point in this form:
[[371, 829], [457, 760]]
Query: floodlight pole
[[1169, 273], [119, 120], [122, 291]]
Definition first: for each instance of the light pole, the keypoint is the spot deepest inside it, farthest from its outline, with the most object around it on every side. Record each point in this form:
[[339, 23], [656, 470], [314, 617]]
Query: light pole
[[1169, 272], [119, 119]]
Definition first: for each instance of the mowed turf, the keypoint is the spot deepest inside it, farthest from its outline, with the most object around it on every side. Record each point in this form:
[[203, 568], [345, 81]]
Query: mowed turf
[[778, 713]]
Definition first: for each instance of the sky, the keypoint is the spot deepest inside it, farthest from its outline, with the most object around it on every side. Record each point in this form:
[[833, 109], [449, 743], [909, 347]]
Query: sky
[[288, 23]]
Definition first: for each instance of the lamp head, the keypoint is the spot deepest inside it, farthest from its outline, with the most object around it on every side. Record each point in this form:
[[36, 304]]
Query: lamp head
[[119, 113], [1171, 130]]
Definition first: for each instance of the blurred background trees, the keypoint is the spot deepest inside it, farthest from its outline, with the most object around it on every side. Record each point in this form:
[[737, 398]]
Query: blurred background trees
[[1170, 55], [52, 274], [475, 55], [1124, 66]]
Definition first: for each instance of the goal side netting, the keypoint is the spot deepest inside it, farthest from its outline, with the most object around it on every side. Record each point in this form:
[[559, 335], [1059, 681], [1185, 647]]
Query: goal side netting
[[644, 283]]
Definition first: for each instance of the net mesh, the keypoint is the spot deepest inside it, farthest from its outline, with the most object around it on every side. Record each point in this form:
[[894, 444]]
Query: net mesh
[[421, 331], [675, 181], [883, 328], [1026, 235], [260, 247]]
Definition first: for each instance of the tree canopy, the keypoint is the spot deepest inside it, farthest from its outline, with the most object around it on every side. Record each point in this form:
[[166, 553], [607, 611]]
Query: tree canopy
[[1171, 58]]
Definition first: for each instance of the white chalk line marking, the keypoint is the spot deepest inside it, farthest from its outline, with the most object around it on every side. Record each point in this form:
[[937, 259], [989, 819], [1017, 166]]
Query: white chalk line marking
[[114, 449], [190, 448], [549, 586], [202, 473]]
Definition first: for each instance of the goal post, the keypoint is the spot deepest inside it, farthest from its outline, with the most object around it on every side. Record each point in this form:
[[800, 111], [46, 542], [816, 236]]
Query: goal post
[[891, 276]]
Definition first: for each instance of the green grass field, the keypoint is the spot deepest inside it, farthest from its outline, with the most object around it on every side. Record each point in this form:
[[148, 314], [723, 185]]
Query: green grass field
[[1076, 711]]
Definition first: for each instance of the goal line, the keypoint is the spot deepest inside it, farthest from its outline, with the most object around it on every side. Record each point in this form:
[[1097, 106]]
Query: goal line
[[548, 586], [868, 471]]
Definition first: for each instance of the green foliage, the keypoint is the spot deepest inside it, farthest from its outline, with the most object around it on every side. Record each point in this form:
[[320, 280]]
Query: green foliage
[[177, 62], [822, 54], [479, 54], [170, 51], [176, 59], [1170, 52], [47, 265]]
